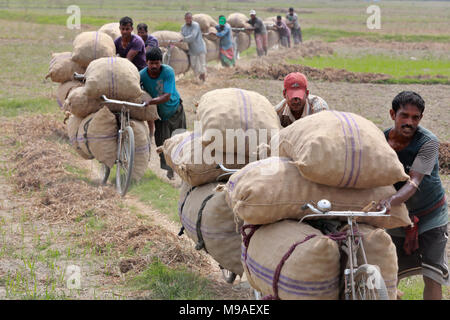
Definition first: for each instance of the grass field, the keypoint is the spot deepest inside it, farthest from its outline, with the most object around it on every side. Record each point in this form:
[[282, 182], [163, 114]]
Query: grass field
[[31, 30]]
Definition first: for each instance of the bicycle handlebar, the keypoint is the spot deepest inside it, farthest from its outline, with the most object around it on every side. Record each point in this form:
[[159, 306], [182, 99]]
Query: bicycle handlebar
[[78, 76], [125, 103], [326, 213]]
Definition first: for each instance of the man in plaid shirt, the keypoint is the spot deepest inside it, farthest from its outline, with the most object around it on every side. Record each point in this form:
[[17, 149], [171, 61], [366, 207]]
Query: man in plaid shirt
[[297, 102]]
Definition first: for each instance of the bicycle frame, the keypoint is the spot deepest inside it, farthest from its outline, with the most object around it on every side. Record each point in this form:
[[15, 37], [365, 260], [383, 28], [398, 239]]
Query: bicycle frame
[[353, 241]]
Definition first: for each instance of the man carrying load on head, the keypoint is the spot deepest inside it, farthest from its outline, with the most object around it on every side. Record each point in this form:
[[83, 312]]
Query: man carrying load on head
[[149, 40], [159, 81], [260, 33], [421, 248], [192, 34], [129, 45], [226, 42], [297, 102]]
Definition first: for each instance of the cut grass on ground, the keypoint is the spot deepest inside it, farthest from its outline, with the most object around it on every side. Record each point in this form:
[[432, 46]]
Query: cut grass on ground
[[158, 194], [402, 70], [165, 283]]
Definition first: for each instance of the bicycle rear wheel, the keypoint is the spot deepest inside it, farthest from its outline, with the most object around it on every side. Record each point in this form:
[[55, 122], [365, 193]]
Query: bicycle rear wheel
[[125, 161], [369, 284]]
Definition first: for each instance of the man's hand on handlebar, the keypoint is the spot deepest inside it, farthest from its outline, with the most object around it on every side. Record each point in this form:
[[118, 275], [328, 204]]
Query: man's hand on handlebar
[[384, 203]]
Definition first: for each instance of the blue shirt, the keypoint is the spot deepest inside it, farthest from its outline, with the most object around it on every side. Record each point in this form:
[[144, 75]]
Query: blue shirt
[[226, 40], [156, 87]]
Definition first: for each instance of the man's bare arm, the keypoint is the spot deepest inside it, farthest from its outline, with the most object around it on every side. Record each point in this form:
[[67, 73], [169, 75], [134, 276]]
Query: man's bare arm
[[159, 100], [405, 192], [131, 54]]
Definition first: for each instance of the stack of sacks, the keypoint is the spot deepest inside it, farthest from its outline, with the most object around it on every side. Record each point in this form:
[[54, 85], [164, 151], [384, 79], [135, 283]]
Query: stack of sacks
[[205, 21], [93, 127], [209, 222], [239, 20], [194, 157], [212, 49], [179, 59], [112, 29], [273, 38], [346, 161], [87, 47], [61, 70]]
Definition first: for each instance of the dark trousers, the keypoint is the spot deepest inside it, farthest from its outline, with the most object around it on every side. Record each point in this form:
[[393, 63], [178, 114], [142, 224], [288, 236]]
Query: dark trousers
[[165, 128]]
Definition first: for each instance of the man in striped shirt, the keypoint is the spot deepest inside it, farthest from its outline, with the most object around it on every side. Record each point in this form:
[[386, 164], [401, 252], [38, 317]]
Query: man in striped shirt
[[421, 249], [297, 102]]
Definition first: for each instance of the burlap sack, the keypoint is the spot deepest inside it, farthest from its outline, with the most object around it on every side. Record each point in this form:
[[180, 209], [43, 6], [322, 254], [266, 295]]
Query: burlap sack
[[92, 45], [212, 50], [184, 154], [243, 41], [272, 189], [238, 20], [164, 36], [215, 223], [111, 29], [117, 78], [246, 115], [97, 136], [72, 130], [205, 21], [179, 61], [273, 37], [141, 149], [79, 104], [380, 251], [340, 149], [310, 272], [62, 67], [64, 90]]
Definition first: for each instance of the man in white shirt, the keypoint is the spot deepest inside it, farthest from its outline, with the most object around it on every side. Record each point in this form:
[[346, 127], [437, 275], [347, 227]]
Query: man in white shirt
[[297, 102]]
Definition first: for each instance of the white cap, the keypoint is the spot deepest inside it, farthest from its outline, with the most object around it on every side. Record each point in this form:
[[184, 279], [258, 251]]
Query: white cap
[[252, 12]]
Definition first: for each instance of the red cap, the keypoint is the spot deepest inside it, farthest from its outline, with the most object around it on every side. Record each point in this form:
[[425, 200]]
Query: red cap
[[296, 85]]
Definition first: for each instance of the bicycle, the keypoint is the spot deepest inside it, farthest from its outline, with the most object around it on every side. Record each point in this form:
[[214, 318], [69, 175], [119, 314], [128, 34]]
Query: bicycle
[[125, 144], [360, 282], [357, 278], [168, 53]]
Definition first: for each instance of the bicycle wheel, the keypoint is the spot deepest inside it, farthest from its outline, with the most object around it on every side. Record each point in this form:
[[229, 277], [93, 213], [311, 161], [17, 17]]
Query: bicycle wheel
[[228, 276], [104, 173], [166, 57], [125, 161], [369, 284]]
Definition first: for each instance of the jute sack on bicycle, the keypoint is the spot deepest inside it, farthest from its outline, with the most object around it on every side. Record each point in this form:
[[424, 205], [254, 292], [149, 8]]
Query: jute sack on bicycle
[[73, 125], [185, 154], [117, 78], [212, 50], [112, 29], [243, 41], [62, 67], [205, 21], [141, 147], [236, 120], [91, 45], [272, 189], [178, 60], [291, 261], [238, 20], [380, 251], [64, 89], [340, 149], [81, 105], [209, 222], [163, 36], [273, 37], [97, 136]]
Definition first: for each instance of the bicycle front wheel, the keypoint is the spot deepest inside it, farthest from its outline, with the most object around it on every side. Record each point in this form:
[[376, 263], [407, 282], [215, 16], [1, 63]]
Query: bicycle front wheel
[[369, 284], [125, 161]]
